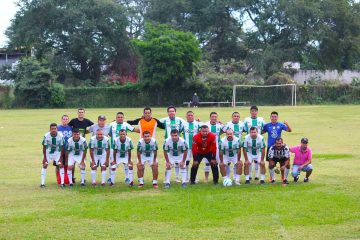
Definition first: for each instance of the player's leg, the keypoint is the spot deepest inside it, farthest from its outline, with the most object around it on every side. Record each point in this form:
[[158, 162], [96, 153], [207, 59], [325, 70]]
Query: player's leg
[[262, 171], [61, 169], [82, 173], [247, 169], [103, 171], [188, 158], [93, 172], [256, 169], [238, 171], [223, 169], [70, 166], [111, 159], [206, 170], [283, 166], [140, 173], [287, 170], [308, 169], [194, 168], [214, 168], [177, 170], [155, 173], [295, 172], [183, 174], [131, 174], [112, 170], [272, 165], [43, 172], [168, 168]]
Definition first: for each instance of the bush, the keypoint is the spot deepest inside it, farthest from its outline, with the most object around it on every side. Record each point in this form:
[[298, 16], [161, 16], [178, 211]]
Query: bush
[[6, 97], [57, 93], [279, 78]]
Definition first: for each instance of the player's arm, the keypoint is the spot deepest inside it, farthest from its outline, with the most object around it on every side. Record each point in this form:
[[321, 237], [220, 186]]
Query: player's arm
[[155, 155], [239, 154], [66, 158], [134, 122], [160, 124], [289, 129], [221, 156], [245, 153], [92, 156]]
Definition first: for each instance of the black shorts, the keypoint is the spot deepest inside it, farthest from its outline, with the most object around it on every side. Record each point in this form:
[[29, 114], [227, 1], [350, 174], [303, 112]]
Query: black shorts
[[209, 156], [267, 154], [279, 160]]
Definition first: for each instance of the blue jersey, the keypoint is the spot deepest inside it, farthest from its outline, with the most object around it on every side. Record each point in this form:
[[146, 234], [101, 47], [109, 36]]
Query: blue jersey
[[66, 132], [274, 131]]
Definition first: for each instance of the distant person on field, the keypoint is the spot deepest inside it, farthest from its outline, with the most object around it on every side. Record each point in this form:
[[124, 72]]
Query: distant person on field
[[195, 100], [302, 160], [53, 143]]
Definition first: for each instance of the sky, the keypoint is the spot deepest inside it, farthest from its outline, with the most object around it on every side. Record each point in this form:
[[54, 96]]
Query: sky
[[8, 9]]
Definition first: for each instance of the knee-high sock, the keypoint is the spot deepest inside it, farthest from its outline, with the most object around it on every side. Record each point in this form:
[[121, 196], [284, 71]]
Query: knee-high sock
[[112, 176], [286, 173], [93, 176], [187, 171], [176, 170], [250, 169], [62, 175], [126, 171], [256, 169], [215, 172], [103, 176], [272, 174], [167, 176], [183, 173], [82, 172], [227, 167], [193, 173], [131, 176], [70, 176], [207, 168], [43, 176]]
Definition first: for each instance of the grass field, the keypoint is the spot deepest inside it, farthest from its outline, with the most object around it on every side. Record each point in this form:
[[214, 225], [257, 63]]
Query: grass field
[[326, 208]]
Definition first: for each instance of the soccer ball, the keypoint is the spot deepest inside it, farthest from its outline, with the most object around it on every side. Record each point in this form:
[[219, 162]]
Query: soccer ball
[[227, 182]]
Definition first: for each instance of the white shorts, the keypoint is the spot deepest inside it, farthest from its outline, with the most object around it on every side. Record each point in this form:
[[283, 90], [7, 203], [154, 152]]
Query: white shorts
[[119, 161], [254, 158], [149, 160], [74, 159], [228, 160], [100, 160], [55, 157], [175, 160]]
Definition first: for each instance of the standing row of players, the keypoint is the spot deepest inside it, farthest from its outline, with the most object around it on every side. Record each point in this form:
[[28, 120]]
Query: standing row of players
[[201, 141]]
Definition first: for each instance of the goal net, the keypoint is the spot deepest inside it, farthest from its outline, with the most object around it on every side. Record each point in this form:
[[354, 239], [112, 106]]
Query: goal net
[[283, 94]]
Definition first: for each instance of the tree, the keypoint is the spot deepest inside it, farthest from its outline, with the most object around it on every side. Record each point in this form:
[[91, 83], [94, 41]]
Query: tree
[[168, 57], [85, 34]]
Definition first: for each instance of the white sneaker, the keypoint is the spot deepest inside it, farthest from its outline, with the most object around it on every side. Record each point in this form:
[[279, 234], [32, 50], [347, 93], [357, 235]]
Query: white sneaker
[[237, 183]]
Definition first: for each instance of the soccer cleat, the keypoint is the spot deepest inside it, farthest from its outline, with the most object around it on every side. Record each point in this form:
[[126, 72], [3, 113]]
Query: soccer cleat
[[71, 185], [127, 181], [272, 181], [167, 185], [184, 185], [177, 180], [306, 179], [141, 185], [256, 179], [42, 185], [237, 183], [285, 181], [192, 183], [262, 182], [111, 184], [155, 186], [247, 182], [109, 180], [93, 184], [82, 184], [62, 185], [103, 184], [296, 179], [250, 178], [131, 183]]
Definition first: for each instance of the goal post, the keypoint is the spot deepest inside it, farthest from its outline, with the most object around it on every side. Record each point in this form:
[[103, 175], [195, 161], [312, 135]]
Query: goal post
[[269, 93]]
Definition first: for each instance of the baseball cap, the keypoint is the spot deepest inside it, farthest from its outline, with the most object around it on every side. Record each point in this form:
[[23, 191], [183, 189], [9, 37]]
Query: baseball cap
[[101, 117], [304, 140]]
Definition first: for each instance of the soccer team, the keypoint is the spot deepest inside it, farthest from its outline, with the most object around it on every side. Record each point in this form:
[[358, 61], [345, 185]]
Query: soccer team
[[110, 148]]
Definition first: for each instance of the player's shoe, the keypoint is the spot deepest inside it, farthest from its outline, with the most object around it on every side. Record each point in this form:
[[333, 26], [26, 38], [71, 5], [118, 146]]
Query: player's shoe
[[141, 185], [272, 181], [177, 180], [131, 183], [167, 185], [103, 184], [285, 182], [62, 185], [250, 178], [247, 182], [111, 184], [296, 179], [155, 186], [184, 185], [127, 181], [256, 179], [262, 182], [94, 184], [82, 184], [192, 183], [237, 183], [42, 185], [109, 180], [71, 185], [306, 179]]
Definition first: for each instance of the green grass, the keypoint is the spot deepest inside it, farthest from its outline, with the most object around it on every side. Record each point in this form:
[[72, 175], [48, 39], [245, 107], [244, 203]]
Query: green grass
[[326, 208]]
